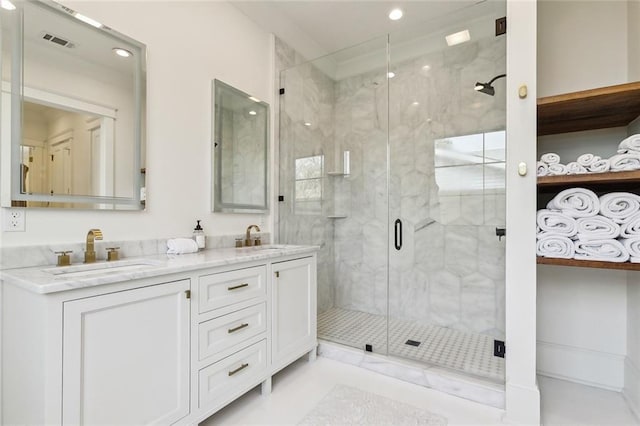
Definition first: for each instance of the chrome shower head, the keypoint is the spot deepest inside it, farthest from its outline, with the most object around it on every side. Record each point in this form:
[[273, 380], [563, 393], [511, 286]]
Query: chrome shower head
[[487, 88]]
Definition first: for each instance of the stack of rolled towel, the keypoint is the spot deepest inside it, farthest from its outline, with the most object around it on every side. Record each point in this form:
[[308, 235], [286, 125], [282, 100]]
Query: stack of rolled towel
[[627, 158], [577, 224]]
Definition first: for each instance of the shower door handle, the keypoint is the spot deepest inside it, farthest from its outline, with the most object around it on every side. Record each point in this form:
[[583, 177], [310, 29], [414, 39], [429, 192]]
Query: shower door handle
[[398, 234]]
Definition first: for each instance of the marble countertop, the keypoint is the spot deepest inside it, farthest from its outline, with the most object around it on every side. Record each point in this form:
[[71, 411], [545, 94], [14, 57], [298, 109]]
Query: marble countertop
[[52, 279]]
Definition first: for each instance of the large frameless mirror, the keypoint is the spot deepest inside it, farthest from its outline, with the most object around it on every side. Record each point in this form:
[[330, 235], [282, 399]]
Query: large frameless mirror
[[73, 110], [240, 148]]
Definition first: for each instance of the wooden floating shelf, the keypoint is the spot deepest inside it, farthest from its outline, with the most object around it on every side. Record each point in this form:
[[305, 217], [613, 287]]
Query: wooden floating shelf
[[626, 266], [590, 179], [600, 108]]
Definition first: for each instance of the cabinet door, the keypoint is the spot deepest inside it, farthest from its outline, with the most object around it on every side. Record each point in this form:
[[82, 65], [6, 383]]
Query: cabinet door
[[126, 357], [294, 309]]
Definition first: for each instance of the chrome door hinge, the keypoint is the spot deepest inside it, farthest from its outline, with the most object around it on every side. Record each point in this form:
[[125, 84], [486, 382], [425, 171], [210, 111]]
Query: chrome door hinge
[[277, 274], [187, 294]]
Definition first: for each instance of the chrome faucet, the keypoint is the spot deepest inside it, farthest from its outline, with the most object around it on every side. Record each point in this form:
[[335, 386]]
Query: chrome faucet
[[90, 252], [247, 241]]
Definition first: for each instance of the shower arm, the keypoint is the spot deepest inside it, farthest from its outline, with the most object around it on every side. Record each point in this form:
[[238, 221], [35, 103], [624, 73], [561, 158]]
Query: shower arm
[[495, 78]]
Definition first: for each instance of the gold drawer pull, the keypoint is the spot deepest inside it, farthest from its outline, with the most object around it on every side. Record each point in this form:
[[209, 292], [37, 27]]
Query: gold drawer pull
[[235, 287], [240, 327], [242, 367]]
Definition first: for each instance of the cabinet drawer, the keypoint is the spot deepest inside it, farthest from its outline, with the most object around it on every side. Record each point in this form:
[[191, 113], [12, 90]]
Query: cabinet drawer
[[228, 374], [227, 288], [221, 333]]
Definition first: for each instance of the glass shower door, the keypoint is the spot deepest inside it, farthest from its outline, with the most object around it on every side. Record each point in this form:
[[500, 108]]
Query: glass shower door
[[447, 146], [333, 183]]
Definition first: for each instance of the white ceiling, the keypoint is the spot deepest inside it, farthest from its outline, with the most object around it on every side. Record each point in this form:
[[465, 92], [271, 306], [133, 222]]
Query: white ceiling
[[334, 25]]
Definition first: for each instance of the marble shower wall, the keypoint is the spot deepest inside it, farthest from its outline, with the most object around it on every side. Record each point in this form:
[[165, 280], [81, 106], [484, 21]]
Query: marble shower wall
[[309, 99], [450, 271]]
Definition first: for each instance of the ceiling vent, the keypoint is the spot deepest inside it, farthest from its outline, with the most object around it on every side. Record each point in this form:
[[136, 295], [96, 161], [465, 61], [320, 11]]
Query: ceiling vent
[[57, 40]]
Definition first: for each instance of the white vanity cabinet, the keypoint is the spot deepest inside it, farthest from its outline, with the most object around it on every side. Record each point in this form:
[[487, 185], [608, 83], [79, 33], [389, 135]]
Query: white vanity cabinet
[[294, 298], [125, 357], [172, 346]]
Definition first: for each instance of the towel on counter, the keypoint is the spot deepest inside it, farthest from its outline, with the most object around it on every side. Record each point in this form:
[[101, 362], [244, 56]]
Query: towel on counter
[[555, 246], [556, 223], [603, 250], [619, 206], [542, 169], [574, 168], [630, 228], [625, 162], [597, 228], [557, 169], [550, 158], [630, 144], [633, 247], [576, 202], [586, 160], [600, 166], [181, 246]]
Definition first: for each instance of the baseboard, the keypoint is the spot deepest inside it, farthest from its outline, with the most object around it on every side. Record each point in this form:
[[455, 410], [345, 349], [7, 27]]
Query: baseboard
[[523, 405], [631, 394], [588, 367]]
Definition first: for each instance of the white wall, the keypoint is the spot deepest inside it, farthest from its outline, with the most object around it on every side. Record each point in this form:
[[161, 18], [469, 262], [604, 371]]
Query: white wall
[[582, 318], [189, 44], [634, 39], [581, 45]]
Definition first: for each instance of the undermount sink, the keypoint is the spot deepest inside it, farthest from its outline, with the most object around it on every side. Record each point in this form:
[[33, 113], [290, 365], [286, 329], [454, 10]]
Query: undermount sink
[[268, 247], [102, 268]]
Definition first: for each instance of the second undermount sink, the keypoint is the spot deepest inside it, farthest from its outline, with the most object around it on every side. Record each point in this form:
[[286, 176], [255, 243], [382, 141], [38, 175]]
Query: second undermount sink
[[102, 268]]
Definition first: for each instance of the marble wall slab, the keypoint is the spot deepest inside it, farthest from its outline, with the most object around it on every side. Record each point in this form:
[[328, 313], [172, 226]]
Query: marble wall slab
[[40, 255]]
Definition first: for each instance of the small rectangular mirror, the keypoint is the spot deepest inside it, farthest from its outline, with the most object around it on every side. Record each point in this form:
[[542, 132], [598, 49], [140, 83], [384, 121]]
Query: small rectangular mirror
[[240, 151]]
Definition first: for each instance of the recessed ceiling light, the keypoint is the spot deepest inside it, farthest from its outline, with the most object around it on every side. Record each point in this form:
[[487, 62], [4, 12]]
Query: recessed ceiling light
[[307, 124], [6, 4], [254, 99], [252, 112], [457, 38], [415, 103], [391, 74], [122, 52], [87, 20], [395, 14], [426, 67]]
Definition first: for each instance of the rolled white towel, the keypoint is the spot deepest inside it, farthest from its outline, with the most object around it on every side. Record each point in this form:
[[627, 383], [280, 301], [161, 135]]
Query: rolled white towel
[[576, 202], [556, 223], [625, 162], [633, 247], [575, 168], [555, 246], [630, 228], [604, 250], [632, 143], [619, 206], [557, 169], [181, 246], [600, 166], [542, 169], [586, 160], [597, 228], [550, 158]]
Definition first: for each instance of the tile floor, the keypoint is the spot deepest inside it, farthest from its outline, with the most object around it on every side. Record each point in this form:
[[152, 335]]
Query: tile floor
[[298, 389], [468, 352]]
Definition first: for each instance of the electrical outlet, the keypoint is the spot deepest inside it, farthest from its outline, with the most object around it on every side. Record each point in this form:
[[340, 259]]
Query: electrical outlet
[[14, 220]]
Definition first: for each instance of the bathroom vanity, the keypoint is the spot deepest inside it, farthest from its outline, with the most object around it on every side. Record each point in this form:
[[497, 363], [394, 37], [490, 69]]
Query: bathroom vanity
[[155, 339]]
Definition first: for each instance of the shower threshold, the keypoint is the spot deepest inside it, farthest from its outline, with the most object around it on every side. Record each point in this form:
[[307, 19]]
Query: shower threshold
[[425, 345]]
